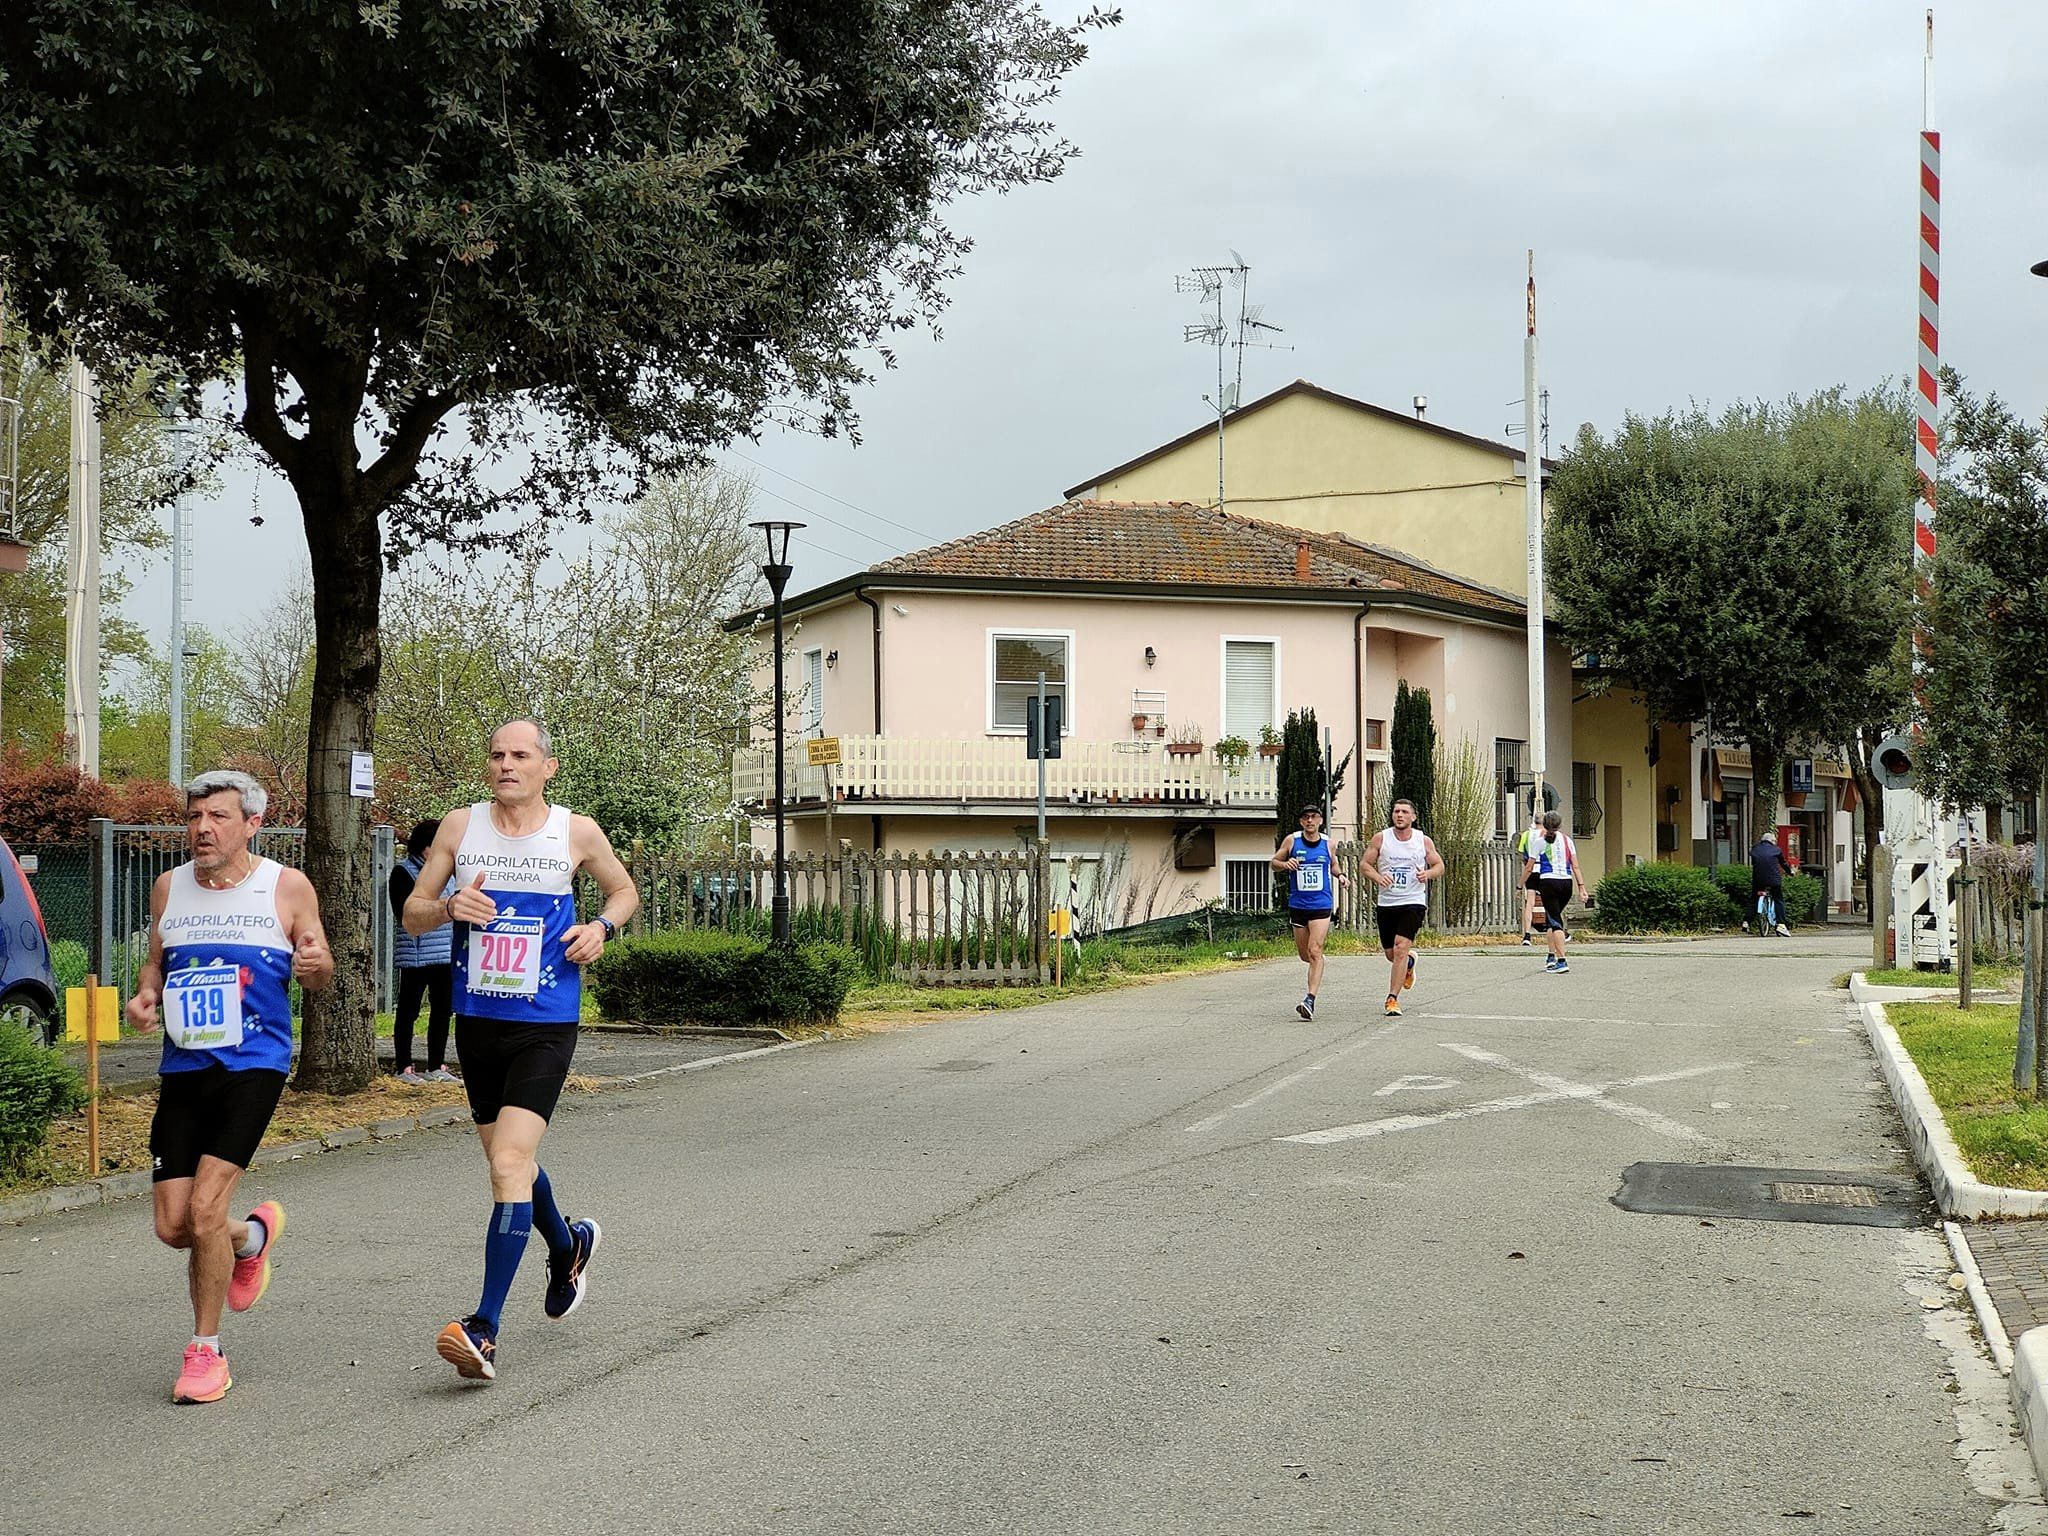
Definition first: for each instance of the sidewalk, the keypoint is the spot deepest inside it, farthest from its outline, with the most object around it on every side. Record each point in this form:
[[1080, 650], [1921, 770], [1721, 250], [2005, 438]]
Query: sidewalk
[[601, 1051]]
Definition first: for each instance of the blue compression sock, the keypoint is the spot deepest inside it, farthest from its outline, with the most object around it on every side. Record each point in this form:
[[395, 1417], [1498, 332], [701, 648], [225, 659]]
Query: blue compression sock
[[504, 1246], [547, 1216]]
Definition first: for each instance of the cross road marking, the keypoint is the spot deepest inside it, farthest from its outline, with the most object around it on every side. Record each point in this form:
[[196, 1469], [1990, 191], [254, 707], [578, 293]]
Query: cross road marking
[[1552, 1090]]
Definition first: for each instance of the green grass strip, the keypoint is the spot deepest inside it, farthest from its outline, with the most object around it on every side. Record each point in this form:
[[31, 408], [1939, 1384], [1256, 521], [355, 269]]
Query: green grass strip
[[1967, 1060]]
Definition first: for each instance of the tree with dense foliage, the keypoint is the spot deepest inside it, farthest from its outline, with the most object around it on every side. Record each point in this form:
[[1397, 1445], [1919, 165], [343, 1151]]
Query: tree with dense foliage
[[483, 265], [1984, 682], [1411, 742], [1748, 570]]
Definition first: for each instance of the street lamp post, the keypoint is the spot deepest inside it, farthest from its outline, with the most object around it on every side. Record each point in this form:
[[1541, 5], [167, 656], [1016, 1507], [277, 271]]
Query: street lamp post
[[777, 569]]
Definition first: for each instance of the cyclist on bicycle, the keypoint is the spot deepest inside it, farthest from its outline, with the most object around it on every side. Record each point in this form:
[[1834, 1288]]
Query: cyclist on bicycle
[[1767, 870]]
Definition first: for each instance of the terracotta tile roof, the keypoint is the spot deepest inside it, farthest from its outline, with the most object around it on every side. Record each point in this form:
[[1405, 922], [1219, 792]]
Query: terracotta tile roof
[[1178, 543]]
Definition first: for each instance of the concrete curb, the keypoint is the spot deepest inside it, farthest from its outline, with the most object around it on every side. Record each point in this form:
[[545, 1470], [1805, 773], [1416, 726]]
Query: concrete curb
[[2029, 1402], [1861, 991], [1988, 1320], [1955, 1191], [119, 1186]]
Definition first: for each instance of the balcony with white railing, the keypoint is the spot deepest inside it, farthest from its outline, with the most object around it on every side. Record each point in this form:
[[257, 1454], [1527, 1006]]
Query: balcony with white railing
[[993, 774]]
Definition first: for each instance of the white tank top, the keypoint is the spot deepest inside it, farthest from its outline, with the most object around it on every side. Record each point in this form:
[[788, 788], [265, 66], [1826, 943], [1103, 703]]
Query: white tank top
[[516, 969], [1405, 861]]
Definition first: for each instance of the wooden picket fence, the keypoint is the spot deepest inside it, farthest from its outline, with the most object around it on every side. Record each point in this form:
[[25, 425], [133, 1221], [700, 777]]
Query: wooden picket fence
[[1480, 892], [931, 919]]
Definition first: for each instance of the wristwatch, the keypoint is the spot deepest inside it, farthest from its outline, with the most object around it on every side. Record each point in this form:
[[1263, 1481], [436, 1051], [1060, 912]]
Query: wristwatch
[[611, 929]]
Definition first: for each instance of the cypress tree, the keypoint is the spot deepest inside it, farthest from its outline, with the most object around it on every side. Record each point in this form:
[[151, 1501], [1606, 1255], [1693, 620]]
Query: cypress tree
[[1414, 751]]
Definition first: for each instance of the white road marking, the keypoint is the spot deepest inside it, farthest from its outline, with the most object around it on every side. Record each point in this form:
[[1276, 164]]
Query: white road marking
[[1552, 1090], [1415, 1082], [1294, 1077]]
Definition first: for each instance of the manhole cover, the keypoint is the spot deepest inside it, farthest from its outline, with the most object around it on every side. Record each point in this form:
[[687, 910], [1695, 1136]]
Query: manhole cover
[[957, 1066], [1772, 1194]]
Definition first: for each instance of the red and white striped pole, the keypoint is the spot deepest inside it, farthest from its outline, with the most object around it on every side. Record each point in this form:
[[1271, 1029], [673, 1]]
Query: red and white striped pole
[[1925, 457]]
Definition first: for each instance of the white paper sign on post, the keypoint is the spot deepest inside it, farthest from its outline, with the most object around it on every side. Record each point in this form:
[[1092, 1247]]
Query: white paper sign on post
[[362, 776]]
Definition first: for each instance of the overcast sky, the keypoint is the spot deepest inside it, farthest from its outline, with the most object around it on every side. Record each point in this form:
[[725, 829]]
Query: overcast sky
[[1722, 200]]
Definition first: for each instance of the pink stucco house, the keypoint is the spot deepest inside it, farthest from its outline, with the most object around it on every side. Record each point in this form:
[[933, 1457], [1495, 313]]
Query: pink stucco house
[[1152, 621]]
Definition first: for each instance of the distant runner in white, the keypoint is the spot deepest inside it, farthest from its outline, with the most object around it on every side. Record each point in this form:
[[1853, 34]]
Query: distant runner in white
[[1402, 861]]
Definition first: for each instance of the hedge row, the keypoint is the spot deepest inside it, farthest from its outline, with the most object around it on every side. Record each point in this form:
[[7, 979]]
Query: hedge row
[[1679, 898], [723, 979]]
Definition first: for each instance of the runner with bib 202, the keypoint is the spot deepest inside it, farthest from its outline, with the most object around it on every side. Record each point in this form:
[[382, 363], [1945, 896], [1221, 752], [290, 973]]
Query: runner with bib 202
[[518, 955]]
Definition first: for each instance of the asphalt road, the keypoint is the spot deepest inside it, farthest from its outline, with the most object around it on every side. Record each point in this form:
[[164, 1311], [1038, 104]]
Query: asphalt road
[[1062, 1271]]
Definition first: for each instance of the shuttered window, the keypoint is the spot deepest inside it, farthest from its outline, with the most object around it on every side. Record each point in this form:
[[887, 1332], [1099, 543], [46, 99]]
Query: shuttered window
[[1015, 662], [1250, 668], [814, 693]]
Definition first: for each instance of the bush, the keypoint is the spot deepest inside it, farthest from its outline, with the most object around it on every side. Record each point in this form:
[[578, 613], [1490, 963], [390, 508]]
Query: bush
[[36, 1086], [1668, 898], [68, 960], [723, 979], [1803, 894]]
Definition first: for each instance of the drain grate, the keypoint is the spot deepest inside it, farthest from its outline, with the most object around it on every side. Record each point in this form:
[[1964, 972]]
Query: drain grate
[[1826, 1195], [1795, 1192]]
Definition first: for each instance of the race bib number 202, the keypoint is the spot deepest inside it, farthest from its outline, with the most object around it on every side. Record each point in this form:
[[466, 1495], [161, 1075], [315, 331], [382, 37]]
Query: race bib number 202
[[504, 958]]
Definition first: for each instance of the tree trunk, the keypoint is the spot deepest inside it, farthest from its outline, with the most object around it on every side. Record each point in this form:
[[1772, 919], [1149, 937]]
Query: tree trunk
[[338, 1048], [1872, 808], [1767, 767]]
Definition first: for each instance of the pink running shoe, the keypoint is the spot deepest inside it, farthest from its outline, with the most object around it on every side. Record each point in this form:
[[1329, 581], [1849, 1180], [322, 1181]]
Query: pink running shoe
[[205, 1378], [252, 1276]]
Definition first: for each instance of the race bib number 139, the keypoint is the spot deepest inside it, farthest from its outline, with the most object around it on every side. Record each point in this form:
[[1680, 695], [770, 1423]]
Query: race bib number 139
[[203, 1007], [504, 958]]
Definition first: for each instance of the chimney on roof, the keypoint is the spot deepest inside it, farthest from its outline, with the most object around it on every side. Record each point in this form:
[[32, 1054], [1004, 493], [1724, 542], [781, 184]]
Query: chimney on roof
[[1421, 406], [1301, 560]]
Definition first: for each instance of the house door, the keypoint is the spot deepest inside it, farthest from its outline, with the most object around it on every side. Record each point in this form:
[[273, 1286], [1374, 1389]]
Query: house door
[[1611, 778]]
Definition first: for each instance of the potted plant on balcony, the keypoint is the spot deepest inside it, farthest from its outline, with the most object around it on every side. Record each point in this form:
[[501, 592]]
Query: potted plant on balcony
[[1269, 741], [1187, 740], [1139, 720], [1231, 752]]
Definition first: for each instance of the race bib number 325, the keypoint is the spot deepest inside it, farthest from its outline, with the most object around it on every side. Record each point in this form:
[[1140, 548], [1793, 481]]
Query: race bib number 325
[[504, 958], [203, 1007]]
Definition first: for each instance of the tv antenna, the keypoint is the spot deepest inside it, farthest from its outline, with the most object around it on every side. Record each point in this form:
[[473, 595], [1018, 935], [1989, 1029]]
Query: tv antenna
[[1227, 334], [1516, 428]]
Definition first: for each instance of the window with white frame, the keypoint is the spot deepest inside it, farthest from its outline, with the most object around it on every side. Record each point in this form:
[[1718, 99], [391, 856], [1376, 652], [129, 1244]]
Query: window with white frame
[[1015, 658], [1251, 687], [1248, 885], [814, 692]]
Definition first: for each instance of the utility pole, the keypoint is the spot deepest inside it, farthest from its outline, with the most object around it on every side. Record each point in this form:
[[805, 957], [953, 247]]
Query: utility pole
[[82, 578], [1532, 459], [181, 596]]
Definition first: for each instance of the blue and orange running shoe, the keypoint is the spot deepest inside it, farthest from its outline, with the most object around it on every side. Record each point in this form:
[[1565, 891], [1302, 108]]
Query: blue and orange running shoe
[[566, 1270]]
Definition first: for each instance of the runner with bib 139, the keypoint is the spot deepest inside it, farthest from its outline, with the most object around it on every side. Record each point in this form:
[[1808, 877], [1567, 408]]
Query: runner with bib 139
[[519, 954], [229, 933], [1403, 861]]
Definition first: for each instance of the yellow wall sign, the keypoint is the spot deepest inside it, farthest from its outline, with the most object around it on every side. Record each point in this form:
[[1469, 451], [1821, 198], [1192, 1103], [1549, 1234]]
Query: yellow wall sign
[[109, 1010], [822, 751]]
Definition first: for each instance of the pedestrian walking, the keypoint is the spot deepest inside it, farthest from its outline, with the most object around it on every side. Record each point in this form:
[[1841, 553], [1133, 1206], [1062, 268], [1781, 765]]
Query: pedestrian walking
[[1402, 861], [229, 932], [1312, 881], [426, 970], [518, 954], [1553, 862]]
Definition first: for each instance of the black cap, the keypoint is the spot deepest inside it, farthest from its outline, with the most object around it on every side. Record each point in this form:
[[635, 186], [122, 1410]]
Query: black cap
[[1316, 809]]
